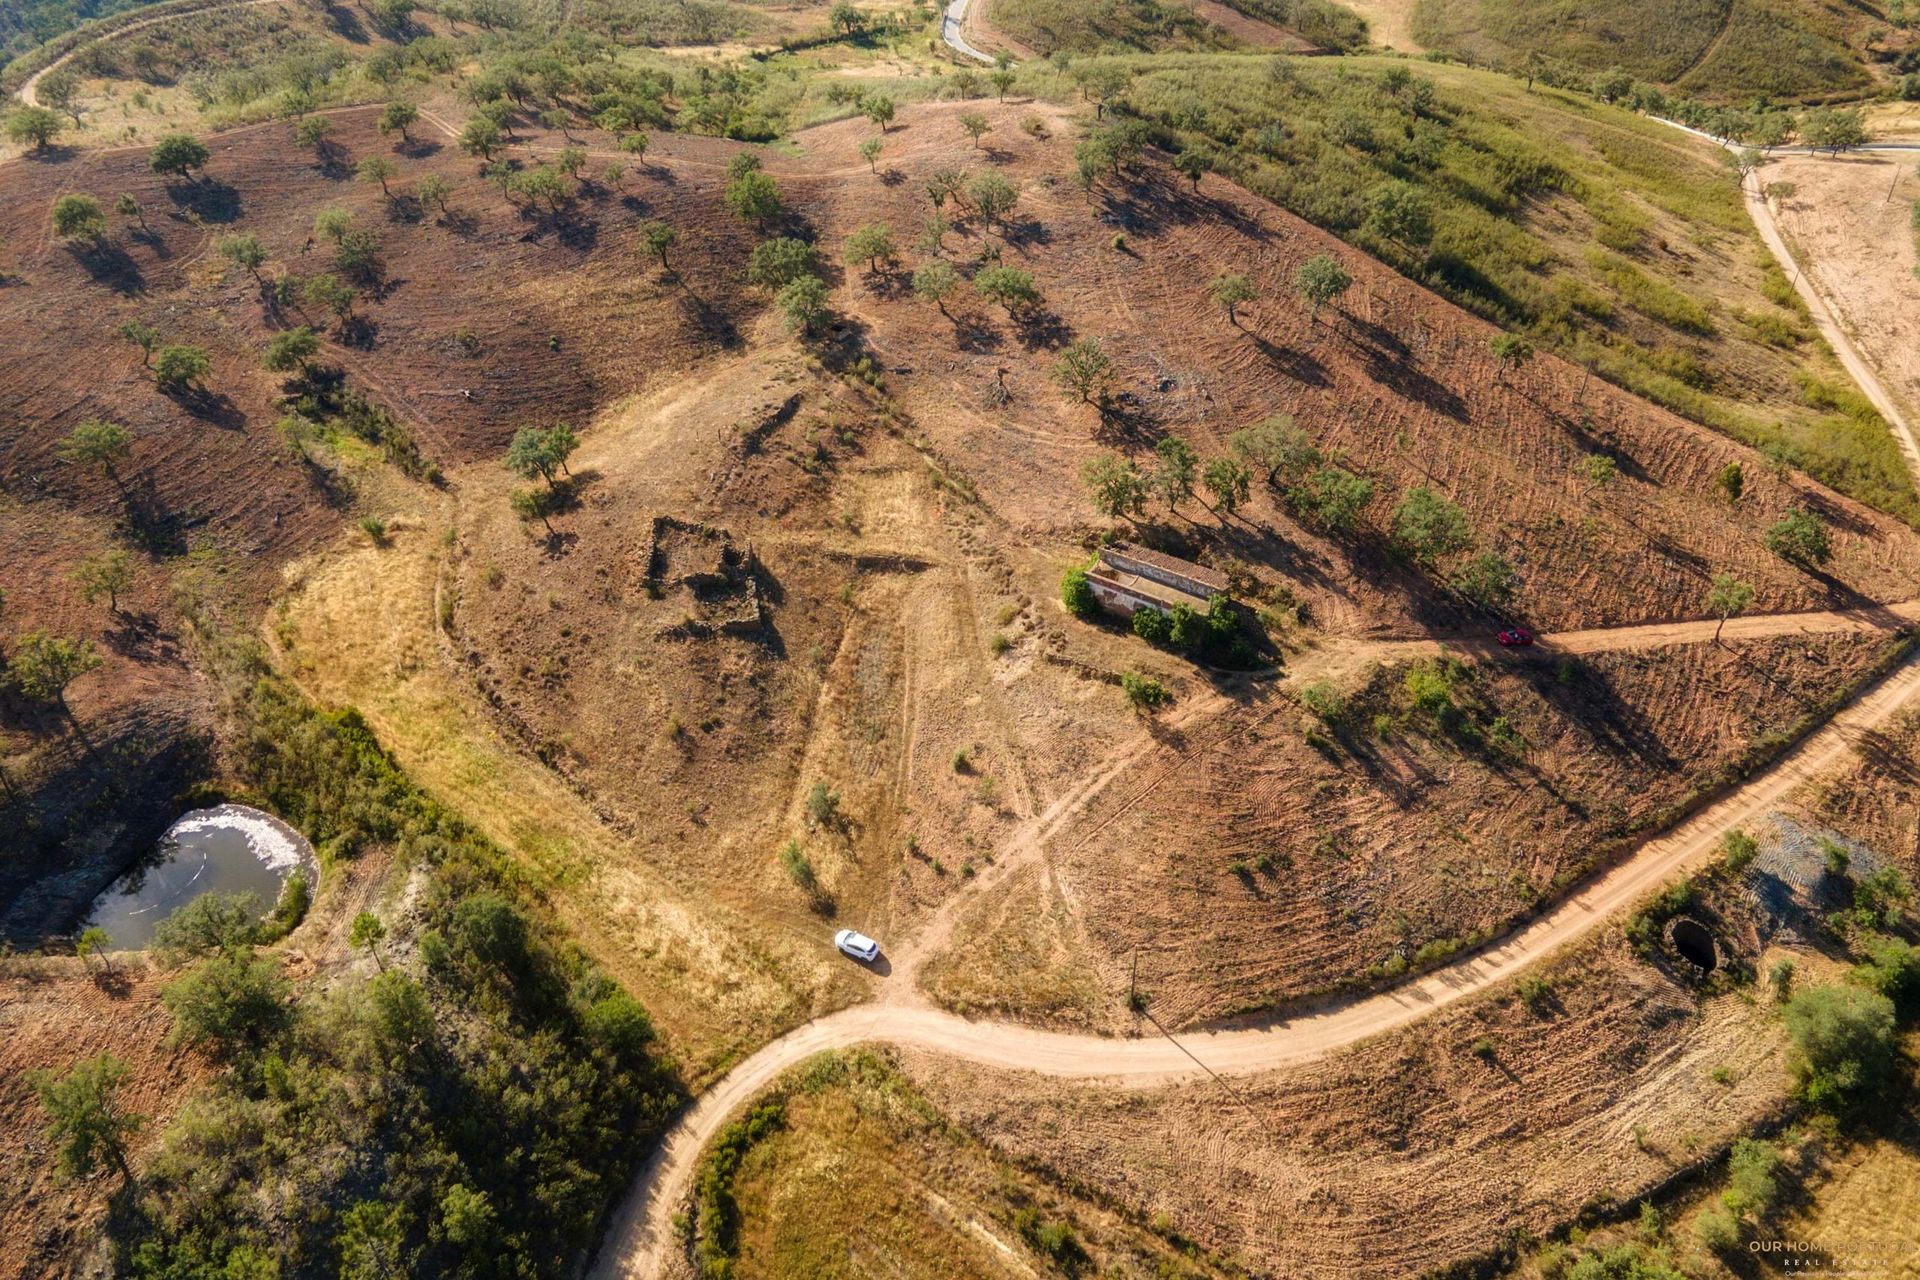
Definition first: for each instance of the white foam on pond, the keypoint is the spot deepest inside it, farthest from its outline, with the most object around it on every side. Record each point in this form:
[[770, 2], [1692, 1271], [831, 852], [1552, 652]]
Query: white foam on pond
[[230, 849], [276, 844]]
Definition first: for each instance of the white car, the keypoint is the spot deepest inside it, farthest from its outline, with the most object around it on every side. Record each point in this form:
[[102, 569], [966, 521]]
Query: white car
[[857, 945]]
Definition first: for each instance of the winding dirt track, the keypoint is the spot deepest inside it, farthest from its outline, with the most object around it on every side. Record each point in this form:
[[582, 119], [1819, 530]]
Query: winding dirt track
[[30, 91], [640, 1239]]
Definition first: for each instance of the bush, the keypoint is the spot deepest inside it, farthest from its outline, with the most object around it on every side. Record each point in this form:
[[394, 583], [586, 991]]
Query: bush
[[1845, 1039], [1144, 692], [798, 866], [233, 1004], [1737, 851], [1077, 594], [1323, 699], [1152, 626], [211, 922]]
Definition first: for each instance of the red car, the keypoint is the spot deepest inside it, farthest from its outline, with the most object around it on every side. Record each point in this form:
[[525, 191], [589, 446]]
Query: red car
[[1515, 638]]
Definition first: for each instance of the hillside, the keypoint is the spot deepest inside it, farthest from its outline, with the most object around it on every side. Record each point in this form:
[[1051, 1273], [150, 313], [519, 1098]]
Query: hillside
[[1718, 49], [626, 509]]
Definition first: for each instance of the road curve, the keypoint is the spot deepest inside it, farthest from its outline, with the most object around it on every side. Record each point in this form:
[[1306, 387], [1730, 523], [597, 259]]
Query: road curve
[[640, 1238], [29, 92], [1824, 318], [953, 30]]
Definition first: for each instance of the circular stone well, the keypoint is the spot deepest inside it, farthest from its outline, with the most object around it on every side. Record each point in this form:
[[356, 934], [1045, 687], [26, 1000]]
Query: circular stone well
[[1694, 942]]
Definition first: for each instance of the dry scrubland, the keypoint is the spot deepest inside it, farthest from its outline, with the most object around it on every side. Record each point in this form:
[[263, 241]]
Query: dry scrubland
[[909, 488], [1728, 49], [1604, 1076], [696, 756]]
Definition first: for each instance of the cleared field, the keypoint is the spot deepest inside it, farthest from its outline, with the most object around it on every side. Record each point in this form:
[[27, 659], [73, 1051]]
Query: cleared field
[[1357, 1166]]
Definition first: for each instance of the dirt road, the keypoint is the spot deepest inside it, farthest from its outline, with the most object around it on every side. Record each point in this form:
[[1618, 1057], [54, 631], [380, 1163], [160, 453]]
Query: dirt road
[[640, 1239], [1837, 336], [30, 91], [1654, 635]]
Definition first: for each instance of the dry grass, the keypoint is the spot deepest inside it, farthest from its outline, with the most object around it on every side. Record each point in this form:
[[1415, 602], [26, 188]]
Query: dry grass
[[865, 1179]]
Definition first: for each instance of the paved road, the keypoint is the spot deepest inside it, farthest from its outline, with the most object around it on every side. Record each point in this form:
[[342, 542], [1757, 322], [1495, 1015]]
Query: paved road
[[953, 31]]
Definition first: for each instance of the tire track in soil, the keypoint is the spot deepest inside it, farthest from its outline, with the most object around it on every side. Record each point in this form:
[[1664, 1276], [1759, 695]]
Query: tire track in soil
[[640, 1242]]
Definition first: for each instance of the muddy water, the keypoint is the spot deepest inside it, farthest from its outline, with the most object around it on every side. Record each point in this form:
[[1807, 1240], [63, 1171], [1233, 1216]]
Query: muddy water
[[229, 849]]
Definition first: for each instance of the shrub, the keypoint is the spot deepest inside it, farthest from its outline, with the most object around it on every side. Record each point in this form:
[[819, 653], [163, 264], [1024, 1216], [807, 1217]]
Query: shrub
[[1077, 594], [798, 866], [1738, 850], [776, 263], [1800, 536], [1152, 626], [211, 922], [233, 1003], [1426, 526], [1323, 699], [1144, 692], [1845, 1038], [823, 805]]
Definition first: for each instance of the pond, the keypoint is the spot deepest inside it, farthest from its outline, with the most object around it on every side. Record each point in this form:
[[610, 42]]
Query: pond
[[228, 849]]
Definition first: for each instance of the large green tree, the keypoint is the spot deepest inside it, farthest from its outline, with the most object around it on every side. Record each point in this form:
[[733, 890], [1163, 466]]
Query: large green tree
[[86, 1120]]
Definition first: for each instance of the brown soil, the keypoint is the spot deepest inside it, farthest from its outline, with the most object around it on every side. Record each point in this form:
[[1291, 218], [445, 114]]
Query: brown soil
[[52, 1015], [1270, 869], [1415, 1151], [1249, 31], [885, 591], [1850, 226]]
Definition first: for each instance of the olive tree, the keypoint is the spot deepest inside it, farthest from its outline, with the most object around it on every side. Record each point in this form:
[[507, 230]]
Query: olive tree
[[1175, 467], [1229, 293], [1115, 485], [993, 197], [377, 169], [107, 574], [1321, 279], [1800, 536], [1011, 287], [1726, 597], [1427, 527], [878, 108], [79, 217], [975, 126], [86, 1121], [179, 367], [933, 281], [291, 351], [1084, 370], [33, 126], [97, 446], [244, 250], [43, 666], [398, 117], [778, 262], [656, 238], [179, 154], [873, 245], [804, 304], [1230, 481]]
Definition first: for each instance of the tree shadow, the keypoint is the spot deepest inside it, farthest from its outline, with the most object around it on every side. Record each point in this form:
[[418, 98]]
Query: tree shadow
[[1041, 328], [210, 199], [108, 264], [1297, 365], [148, 525]]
